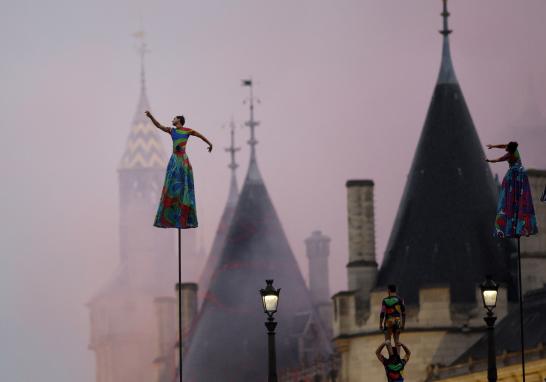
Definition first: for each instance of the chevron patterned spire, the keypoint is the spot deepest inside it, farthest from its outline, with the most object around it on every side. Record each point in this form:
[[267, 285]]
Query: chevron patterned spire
[[143, 149]]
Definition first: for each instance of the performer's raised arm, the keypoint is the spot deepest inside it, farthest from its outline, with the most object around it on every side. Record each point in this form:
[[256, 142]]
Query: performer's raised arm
[[406, 350], [157, 124], [202, 137], [496, 146], [378, 352]]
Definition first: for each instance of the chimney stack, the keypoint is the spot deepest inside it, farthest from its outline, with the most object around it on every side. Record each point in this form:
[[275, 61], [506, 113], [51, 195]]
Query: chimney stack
[[362, 266]]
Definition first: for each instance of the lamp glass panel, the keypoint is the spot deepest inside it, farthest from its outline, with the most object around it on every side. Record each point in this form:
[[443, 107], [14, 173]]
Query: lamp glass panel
[[490, 298], [270, 303]]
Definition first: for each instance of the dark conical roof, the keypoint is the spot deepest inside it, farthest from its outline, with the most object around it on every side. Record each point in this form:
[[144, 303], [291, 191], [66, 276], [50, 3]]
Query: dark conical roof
[[229, 341], [223, 226], [443, 230]]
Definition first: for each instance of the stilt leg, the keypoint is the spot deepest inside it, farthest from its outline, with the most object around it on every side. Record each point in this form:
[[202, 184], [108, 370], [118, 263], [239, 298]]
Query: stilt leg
[[521, 312], [180, 301]]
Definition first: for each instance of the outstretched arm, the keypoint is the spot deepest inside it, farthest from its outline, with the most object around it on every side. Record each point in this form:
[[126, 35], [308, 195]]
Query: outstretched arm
[[157, 124], [378, 352], [503, 158], [198, 135], [496, 146], [406, 350]]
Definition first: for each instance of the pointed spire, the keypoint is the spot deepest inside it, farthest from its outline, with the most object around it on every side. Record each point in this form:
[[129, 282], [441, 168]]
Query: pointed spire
[[143, 149], [447, 73], [233, 188], [253, 171], [143, 103]]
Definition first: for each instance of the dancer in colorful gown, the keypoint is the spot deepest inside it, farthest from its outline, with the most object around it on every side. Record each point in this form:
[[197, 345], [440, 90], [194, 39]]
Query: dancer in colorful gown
[[515, 211], [177, 207], [393, 315], [394, 365]]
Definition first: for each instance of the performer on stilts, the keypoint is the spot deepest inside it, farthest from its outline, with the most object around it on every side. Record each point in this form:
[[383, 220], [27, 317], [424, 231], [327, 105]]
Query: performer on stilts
[[515, 211], [177, 205], [515, 214], [177, 208]]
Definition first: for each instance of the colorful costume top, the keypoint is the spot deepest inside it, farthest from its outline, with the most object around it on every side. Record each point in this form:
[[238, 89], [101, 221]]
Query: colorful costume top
[[515, 211], [394, 367], [177, 207], [392, 308]]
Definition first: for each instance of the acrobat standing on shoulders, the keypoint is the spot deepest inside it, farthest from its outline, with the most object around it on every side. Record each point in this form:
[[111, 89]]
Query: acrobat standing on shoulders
[[392, 319], [394, 365]]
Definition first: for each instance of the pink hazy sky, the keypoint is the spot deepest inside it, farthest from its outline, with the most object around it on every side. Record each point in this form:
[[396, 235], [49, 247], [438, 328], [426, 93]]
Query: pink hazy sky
[[345, 86]]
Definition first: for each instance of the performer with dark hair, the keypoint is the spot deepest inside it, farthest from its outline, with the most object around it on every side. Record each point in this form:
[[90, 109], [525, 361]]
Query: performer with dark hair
[[394, 365], [393, 315], [515, 211], [177, 207]]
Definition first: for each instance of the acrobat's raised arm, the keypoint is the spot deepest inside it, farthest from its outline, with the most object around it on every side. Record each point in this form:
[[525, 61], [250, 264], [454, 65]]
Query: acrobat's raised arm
[[378, 352], [157, 124], [406, 350]]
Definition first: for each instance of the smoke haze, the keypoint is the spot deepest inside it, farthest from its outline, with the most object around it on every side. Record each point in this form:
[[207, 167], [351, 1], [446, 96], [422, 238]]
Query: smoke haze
[[345, 86]]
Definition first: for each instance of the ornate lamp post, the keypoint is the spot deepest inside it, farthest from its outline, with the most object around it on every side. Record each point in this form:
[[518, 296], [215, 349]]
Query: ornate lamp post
[[270, 301], [489, 295]]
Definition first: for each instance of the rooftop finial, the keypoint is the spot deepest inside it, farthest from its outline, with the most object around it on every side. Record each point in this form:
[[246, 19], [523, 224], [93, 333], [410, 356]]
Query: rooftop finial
[[142, 50], [253, 174], [447, 73], [251, 122], [445, 14], [232, 149]]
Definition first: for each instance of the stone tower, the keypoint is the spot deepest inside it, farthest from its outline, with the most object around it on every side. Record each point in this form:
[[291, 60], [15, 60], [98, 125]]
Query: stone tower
[[228, 341], [124, 334], [318, 250], [443, 231], [440, 249]]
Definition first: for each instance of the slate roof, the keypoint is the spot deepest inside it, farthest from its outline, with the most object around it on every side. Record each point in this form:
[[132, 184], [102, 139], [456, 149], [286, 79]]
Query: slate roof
[[443, 231], [229, 342]]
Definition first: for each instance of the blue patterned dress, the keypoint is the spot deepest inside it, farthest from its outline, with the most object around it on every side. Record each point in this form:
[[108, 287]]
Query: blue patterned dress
[[515, 211], [177, 205]]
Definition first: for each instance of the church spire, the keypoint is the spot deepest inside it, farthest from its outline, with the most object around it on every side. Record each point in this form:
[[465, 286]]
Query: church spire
[[447, 73], [233, 188], [143, 149], [143, 103], [253, 171]]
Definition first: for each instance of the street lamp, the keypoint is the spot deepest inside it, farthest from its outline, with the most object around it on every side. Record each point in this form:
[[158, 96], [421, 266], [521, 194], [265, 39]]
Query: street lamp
[[490, 291], [270, 301]]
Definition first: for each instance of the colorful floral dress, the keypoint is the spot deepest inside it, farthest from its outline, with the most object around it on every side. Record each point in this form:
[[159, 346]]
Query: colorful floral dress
[[515, 211], [177, 205]]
